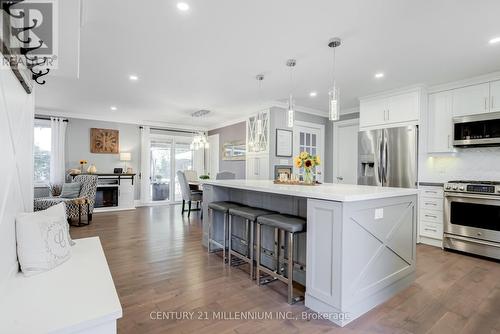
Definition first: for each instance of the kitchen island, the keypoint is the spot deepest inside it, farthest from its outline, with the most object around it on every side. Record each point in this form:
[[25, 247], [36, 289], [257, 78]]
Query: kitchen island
[[359, 249]]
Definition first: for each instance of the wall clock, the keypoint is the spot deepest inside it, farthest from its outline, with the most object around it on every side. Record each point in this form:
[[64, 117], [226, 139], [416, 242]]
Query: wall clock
[[104, 141]]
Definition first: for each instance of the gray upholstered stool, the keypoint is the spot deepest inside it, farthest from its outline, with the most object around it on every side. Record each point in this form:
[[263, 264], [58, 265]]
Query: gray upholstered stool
[[281, 223], [250, 216], [222, 207]]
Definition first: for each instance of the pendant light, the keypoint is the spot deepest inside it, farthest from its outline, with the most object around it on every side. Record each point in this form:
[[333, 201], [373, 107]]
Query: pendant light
[[333, 93], [200, 139], [291, 112], [260, 78]]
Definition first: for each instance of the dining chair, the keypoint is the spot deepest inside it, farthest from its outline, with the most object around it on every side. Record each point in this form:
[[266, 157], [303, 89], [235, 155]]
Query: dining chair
[[188, 195]]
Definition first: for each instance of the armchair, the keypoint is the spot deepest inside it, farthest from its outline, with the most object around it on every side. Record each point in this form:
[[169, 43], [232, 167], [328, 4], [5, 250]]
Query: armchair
[[87, 190]]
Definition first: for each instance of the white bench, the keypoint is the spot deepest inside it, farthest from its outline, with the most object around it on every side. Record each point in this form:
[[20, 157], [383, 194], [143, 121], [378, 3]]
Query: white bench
[[77, 297]]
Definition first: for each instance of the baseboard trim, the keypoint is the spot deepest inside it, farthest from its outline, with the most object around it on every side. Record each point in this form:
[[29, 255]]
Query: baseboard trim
[[431, 242], [101, 210], [140, 204]]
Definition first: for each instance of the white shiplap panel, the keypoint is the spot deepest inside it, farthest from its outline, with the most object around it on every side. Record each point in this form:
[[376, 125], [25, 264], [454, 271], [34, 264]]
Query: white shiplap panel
[[16, 166]]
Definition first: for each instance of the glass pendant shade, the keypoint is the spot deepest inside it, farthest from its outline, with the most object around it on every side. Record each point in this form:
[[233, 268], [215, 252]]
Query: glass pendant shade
[[199, 141], [291, 112], [259, 126], [333, 93], [334, 104]]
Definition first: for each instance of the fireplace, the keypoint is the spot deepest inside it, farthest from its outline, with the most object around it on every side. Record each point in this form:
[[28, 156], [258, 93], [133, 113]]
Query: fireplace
[[106, 196]]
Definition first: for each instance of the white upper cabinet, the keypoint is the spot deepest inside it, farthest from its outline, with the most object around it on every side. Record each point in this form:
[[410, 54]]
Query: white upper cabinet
[[372, 112], [440, 129], [403, 108], [471, 100], [495, 96], [390, 110]]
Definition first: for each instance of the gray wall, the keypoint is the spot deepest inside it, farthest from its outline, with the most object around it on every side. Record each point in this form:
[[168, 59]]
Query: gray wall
[[279, 121], [235, 132], [78, 147]]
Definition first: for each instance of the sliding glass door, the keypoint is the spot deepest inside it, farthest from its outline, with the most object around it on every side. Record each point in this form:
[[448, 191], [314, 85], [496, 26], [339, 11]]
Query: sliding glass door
[[168, 154], [161, 168], [183, 161]]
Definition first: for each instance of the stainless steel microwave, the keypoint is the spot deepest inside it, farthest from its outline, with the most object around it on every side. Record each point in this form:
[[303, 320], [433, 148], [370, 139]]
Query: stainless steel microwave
[[477, 130]]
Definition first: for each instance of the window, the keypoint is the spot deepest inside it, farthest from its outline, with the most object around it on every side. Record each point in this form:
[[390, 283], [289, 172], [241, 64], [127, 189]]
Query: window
[[41, 151]]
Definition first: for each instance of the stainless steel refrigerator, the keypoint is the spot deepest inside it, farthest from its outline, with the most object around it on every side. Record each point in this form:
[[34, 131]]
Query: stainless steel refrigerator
[[388, 157]]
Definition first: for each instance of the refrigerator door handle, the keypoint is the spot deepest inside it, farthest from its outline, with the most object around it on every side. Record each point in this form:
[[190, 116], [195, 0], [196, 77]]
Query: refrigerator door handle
[[386, 160], [381, 159]]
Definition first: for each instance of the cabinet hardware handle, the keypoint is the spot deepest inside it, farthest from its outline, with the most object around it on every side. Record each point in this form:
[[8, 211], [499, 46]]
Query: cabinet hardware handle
[[434, 204], [388, 114], [449, 141], [431, 229], [431, 216], [431, 191], [485, 103]]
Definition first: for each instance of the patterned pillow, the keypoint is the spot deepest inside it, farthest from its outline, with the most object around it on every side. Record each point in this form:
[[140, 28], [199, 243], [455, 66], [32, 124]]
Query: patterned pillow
[[42, 241]]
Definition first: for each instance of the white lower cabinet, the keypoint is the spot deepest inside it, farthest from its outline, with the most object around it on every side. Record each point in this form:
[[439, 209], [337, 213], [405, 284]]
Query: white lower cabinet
[[431, 215], [126, 194], [257, 166]]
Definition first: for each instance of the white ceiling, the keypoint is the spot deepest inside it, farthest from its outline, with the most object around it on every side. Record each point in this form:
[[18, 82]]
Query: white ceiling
[[208, 57]]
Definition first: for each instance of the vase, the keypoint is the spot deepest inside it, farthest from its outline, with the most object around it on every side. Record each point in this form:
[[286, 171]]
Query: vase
[[92, 169], [308, 177]]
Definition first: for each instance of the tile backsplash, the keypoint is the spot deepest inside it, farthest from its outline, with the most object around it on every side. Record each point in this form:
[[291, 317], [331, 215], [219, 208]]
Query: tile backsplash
[[465, 164]]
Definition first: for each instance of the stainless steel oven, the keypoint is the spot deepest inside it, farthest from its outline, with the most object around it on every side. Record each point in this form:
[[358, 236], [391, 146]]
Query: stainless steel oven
[[472, 217]]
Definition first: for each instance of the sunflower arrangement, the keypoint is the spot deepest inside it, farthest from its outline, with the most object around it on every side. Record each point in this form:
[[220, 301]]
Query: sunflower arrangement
[[82, 164], [308, 162]]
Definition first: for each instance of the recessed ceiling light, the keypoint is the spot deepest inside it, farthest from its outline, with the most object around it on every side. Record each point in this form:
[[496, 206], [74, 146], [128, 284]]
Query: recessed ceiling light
[[182, 6], [494, 40], [313, 94], [113, 108], [379, 75], [133, 77]]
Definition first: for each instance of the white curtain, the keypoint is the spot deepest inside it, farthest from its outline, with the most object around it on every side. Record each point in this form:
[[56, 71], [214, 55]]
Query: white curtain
[[145, 164], [57, 159]]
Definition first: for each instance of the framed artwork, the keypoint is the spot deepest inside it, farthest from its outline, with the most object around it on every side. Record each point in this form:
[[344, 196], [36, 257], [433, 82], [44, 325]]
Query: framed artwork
[[104, 141], [284, 143], [283, 170], [234, 151]]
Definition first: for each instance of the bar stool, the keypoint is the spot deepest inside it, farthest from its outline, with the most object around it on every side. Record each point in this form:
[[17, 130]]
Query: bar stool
[[222, 207], [250, 215], [281, 223]]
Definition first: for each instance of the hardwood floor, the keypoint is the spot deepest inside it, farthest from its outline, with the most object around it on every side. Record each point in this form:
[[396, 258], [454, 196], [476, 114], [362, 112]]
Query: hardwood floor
[[159, 265]]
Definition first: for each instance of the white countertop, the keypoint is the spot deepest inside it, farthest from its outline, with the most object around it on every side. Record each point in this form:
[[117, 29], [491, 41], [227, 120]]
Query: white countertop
[[326, 191], [78, 294]]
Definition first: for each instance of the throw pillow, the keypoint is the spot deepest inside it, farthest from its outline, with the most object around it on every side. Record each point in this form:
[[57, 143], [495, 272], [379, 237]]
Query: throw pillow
[[71, 190], [55, 189], [57, 211], [42, 241]]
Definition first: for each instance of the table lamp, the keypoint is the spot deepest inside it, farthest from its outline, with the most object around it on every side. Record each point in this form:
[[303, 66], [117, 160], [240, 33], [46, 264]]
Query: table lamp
[[125, 156]]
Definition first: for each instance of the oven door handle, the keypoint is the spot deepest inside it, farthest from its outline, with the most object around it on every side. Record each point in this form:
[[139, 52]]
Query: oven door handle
[[473, 196]]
